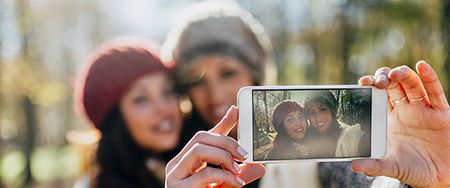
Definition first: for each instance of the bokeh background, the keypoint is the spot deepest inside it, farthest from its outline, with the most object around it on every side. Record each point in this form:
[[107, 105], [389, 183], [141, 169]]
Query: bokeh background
[[43, 42]]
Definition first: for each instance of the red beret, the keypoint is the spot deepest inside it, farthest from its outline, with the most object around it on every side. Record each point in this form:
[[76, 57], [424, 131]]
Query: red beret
[[108, 74]]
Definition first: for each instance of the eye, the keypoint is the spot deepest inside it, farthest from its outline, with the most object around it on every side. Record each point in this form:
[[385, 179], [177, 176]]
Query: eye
[[289, 119], [197, 82], [301, 117], [139, 99], [228, 73]]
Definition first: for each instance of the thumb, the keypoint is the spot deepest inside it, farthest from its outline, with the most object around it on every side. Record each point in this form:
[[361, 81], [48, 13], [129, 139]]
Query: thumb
[[227, 123], [370, 167]]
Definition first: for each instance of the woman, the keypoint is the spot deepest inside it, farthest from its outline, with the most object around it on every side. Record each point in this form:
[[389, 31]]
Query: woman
[[291, 126], [218, 48], [332, 138], [127, 93]]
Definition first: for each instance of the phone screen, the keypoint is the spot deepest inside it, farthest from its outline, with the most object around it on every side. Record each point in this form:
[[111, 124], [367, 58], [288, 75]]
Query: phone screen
[[311, 123]]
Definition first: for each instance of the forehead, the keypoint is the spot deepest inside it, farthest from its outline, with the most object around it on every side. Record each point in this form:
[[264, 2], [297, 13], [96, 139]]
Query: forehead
[[210, 62], [316, 105], [149, 81], [295, 112]]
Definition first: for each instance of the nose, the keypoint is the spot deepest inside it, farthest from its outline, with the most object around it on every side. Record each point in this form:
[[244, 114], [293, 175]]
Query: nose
[[299, 123], [216, 93], [163, 107], [315, 117]]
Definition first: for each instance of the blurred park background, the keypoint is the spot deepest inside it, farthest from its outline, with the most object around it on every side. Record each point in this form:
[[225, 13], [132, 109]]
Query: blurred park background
[[43, 42]]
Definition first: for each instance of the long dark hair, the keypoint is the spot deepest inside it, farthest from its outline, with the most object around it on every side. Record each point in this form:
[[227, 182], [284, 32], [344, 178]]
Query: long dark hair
[[325, 144], [122, 163], [282, 145]]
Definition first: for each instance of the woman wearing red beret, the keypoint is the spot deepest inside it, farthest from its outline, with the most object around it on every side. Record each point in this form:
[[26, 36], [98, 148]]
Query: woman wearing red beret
[[127, 93]]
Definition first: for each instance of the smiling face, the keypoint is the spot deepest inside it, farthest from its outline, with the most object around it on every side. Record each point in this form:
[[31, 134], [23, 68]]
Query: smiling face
[[151, 112], [320, 117], [295, 124], [215, 82]]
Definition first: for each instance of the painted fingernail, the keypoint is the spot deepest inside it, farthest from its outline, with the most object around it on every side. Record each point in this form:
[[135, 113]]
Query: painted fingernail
[[242, 182], [242, 152], [404, 68], [237, 168], [381, 77]]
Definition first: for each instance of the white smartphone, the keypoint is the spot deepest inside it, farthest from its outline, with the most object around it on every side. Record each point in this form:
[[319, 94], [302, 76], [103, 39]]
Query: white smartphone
[[312, 123]]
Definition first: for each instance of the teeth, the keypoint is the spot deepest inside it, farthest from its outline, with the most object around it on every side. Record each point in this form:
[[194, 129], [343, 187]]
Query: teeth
[[320, 124], [299, 130], [165, 126]]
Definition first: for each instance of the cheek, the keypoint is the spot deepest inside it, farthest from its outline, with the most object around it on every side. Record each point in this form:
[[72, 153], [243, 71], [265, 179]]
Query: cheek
[[289, 128], [237, 83], [197, 96], [312, 119], [327, 116], [137, 116]]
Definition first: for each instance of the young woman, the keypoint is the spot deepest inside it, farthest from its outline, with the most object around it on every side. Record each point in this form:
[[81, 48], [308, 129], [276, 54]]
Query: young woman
[[331, 137], [218, 48], [291, 125], [128, 95]]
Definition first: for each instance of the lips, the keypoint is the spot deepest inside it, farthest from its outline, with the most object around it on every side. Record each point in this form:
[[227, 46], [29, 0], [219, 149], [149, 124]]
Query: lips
[[165, 126], [320, 124], [299, 130]]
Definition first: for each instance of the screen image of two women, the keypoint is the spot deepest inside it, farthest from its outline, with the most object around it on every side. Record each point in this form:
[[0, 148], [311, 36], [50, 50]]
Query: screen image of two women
[[313, 131]]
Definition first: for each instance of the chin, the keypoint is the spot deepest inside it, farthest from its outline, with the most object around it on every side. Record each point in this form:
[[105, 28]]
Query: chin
[[165, 145]]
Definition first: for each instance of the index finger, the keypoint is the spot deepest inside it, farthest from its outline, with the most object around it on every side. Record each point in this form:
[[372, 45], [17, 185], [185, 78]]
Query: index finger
[[227, 123], [223, 128]]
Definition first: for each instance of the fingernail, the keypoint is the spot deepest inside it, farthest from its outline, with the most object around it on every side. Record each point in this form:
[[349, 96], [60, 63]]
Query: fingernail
[[242, 182], [230, 109], [404, 68], [381, 77], [242, 152], [237, 168]]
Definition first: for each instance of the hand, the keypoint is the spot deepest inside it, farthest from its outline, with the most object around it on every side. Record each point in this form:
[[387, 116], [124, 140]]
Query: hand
[[418, 150], [189, 168]]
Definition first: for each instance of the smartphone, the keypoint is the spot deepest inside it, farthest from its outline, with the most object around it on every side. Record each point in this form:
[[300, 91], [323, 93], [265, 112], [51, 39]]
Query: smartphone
[[312, 123]]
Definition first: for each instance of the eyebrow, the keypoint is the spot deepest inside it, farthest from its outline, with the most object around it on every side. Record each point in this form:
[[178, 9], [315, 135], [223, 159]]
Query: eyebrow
[[138, 87]]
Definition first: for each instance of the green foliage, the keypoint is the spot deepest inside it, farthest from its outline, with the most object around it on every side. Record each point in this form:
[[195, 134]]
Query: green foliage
[[354, 106]]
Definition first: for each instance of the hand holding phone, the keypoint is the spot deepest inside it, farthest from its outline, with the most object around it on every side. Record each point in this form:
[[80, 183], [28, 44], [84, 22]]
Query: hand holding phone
[[313, 123], [419, 127]]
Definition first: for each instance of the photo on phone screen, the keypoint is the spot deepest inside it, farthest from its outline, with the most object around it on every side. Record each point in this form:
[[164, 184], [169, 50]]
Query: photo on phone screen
[[291, 124]]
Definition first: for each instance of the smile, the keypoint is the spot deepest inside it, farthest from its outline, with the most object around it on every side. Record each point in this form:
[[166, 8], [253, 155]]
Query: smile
[[299, 130], [164, 127]]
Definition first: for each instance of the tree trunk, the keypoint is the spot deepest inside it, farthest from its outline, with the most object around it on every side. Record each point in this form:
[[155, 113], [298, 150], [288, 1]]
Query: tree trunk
[[347, 39], [446, 39], [28, 106], [30, 131]]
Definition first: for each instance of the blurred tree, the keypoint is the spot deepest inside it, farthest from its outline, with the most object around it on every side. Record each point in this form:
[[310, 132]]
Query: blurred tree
[[445, 20], [347, 39], [1, 66], [27, 105]]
